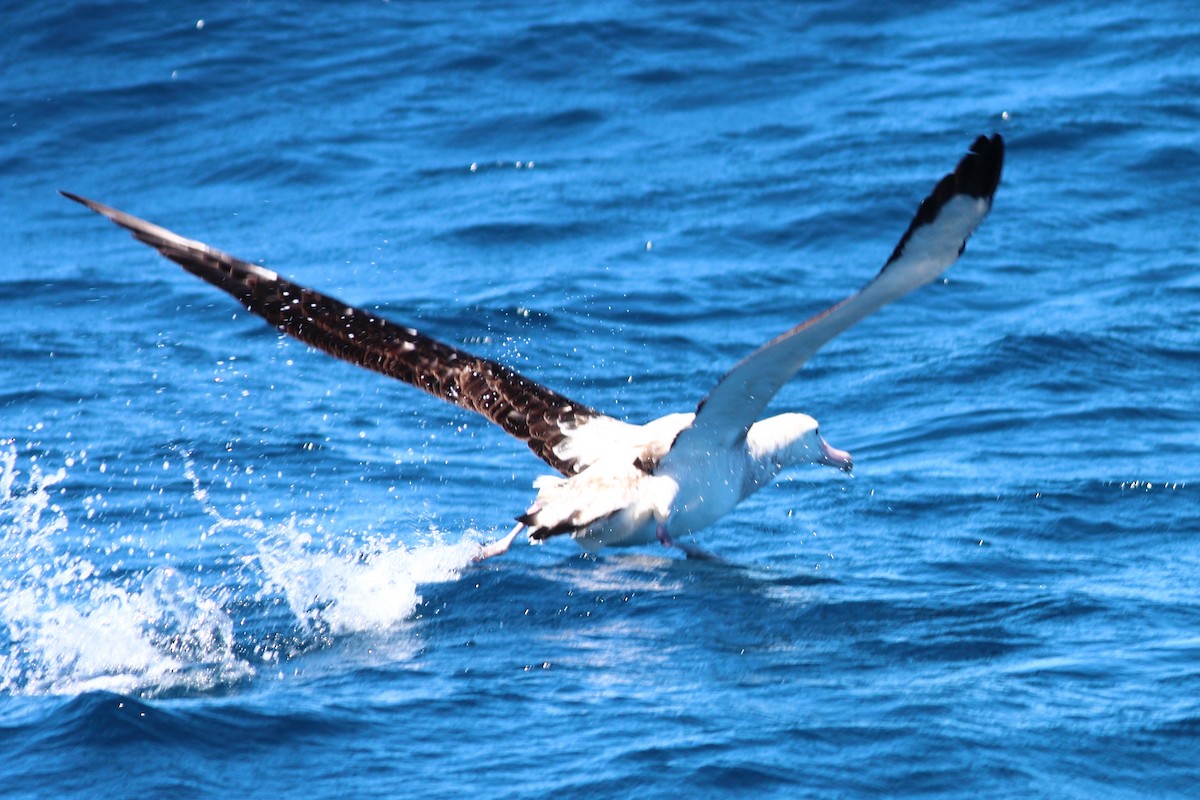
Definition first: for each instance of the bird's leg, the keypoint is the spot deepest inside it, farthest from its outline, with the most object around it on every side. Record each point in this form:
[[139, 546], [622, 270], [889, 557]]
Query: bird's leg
[[663, 536], [500, 547]]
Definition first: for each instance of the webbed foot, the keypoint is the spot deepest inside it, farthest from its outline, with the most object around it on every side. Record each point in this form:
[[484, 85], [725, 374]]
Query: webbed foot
[[499, 547]]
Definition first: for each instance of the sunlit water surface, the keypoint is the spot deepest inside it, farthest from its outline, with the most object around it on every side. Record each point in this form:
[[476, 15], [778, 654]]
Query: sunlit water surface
[[231, 567]]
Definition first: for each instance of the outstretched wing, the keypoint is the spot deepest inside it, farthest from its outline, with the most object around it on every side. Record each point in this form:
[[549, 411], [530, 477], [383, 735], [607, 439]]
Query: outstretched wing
[[934, 240], [543, 419]]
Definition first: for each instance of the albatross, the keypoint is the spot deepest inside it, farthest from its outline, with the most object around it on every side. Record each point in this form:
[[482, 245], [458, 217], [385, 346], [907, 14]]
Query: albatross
[[618, 483]]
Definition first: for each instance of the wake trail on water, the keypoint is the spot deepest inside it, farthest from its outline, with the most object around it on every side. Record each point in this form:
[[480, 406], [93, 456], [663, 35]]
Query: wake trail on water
[[74, 619]]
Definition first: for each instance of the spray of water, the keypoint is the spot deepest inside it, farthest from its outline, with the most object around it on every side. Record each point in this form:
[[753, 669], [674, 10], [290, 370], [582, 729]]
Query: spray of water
[[65, 628], [71, 623]]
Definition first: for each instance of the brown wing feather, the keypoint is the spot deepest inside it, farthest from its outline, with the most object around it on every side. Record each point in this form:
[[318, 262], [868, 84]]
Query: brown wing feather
[[522, 407]]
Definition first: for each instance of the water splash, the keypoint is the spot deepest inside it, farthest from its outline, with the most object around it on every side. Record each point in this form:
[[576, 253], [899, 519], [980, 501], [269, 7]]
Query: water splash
[[73, 621], [161, 637], [372, 587], [66, 629], [345, 584]]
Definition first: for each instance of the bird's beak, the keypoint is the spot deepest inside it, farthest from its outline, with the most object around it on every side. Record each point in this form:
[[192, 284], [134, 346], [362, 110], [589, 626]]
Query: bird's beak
[[832, 457]]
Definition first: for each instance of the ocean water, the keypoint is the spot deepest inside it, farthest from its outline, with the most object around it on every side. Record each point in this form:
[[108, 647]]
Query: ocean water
[[233, 567]]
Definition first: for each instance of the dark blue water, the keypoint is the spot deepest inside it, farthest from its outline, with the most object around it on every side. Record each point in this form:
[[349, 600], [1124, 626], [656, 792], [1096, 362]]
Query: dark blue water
[[231, 567]]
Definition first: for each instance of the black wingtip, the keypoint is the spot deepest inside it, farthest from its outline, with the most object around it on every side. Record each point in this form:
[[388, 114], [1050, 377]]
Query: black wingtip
[[977, 175], [146, 232], [75, 197], [101, 209]]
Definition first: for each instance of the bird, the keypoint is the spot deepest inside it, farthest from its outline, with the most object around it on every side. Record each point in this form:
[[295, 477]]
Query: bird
[[617, 483]]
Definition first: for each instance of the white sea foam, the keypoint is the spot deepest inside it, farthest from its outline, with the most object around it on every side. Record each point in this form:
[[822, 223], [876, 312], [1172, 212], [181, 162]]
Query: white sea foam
[[65, 629], [71, 622], [344, 584], [147, 640], [373, 587]]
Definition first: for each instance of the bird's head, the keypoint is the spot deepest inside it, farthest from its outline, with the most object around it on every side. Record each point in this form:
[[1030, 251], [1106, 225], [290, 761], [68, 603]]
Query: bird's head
[[794, 439]]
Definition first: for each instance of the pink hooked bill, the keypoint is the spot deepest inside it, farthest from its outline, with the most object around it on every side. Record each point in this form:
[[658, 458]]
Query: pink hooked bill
[[832, 457]]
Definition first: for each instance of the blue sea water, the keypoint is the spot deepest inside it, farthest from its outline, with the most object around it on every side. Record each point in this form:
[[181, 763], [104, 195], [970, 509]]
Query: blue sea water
[[233, 567]]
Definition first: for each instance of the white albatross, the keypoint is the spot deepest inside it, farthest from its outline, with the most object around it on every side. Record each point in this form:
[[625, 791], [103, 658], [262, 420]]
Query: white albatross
[[622, 484]]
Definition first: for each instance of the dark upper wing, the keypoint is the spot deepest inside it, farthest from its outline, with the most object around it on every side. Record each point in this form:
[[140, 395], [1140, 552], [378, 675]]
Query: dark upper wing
[[541, 418], [934, 240]]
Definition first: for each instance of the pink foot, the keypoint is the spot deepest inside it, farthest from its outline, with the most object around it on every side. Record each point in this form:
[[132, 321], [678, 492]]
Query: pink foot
[[663, 536]]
